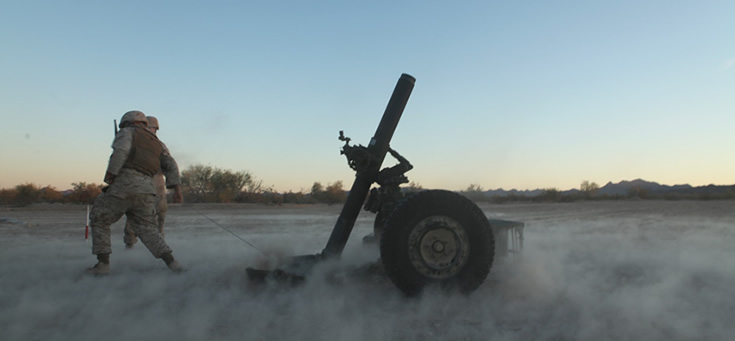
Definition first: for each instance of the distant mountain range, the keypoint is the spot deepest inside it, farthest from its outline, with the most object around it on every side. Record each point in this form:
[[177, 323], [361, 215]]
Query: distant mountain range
[[624, 188]]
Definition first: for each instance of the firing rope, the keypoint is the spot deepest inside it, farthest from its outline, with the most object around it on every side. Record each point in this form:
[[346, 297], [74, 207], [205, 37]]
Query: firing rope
[[233, 233]]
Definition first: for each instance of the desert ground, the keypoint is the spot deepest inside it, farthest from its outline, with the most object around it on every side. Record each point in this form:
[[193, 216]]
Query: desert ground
[[633, 270]]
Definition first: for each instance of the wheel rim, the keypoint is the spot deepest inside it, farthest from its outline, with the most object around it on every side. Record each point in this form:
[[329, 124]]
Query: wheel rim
[[438, 247]]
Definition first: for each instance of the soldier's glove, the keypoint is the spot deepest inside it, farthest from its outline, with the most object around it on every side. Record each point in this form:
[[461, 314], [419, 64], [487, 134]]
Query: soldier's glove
[[178, 195], [109, 178]]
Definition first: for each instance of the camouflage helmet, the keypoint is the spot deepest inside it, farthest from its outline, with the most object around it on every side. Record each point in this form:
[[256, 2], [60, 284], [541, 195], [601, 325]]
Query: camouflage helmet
[[153, 123], [131, 117]]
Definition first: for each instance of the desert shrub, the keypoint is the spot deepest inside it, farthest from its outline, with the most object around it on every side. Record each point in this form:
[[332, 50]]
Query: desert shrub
[[475, 193], [296, 198], [334, 193], [7, 195], [26, 194], [84, 193], [210, 184], [51, 195]]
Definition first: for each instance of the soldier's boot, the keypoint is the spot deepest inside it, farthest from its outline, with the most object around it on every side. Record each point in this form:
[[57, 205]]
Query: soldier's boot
[[172, 263], [102, 267], [128, 246]]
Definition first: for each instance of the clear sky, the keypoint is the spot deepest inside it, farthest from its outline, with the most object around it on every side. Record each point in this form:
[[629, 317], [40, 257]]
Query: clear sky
[[509, 94]]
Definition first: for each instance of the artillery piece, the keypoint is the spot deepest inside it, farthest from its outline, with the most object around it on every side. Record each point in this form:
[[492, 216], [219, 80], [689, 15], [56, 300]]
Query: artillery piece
[[426, 238]]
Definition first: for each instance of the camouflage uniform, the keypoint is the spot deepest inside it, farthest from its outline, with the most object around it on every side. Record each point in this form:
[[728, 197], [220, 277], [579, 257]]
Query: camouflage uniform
[[132, 192], [160, 184], [161, 205]]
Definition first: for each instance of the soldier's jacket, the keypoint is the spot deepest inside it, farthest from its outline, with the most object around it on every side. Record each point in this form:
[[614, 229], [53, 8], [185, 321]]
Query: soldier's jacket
[[159, 181], [132, 178]]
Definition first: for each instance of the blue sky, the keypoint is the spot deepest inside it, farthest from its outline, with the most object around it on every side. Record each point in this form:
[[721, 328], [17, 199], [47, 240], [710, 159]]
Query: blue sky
[[522, 94]]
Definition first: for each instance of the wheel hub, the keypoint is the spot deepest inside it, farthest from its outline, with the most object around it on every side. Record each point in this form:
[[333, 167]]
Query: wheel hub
[[438, 247]]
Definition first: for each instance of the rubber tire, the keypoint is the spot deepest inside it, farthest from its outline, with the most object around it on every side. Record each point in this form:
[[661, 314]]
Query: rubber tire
[[378, 225], [394, 242]]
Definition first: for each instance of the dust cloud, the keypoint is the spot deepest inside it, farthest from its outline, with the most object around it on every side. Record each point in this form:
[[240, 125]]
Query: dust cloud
[[589, 271]]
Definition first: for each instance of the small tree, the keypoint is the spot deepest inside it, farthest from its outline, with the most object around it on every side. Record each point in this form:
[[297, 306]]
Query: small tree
[[7, 196], [50, 194], [226, 185], [317, 191], [26, 194], [255, 189], [589, 189], [474, 188], [334, 193], [271, 197], [413, 187], [549, 194], [475, 192], [84, 193], [317, 188], [295, 198], [195, 182], [209, 184]]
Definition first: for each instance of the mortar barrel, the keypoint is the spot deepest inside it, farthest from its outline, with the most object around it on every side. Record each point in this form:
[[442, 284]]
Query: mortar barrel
[[378, 147]]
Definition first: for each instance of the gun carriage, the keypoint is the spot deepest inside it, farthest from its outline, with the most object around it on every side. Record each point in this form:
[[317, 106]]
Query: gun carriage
[[431, 237]]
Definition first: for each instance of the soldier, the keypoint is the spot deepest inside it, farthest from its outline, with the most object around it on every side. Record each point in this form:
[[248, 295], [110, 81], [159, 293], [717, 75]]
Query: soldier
[[160, 185], [137, 155]]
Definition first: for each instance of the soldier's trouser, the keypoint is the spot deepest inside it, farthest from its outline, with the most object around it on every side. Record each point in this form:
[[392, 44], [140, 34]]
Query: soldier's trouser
[[161, 207], [140, 213]]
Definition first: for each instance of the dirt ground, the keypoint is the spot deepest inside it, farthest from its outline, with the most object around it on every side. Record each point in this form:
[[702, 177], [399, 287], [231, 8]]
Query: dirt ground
[[636, 270]]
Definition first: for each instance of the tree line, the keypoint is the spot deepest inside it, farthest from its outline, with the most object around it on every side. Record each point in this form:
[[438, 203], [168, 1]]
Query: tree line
[[26, 194], [207, 184], [200, 184]]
